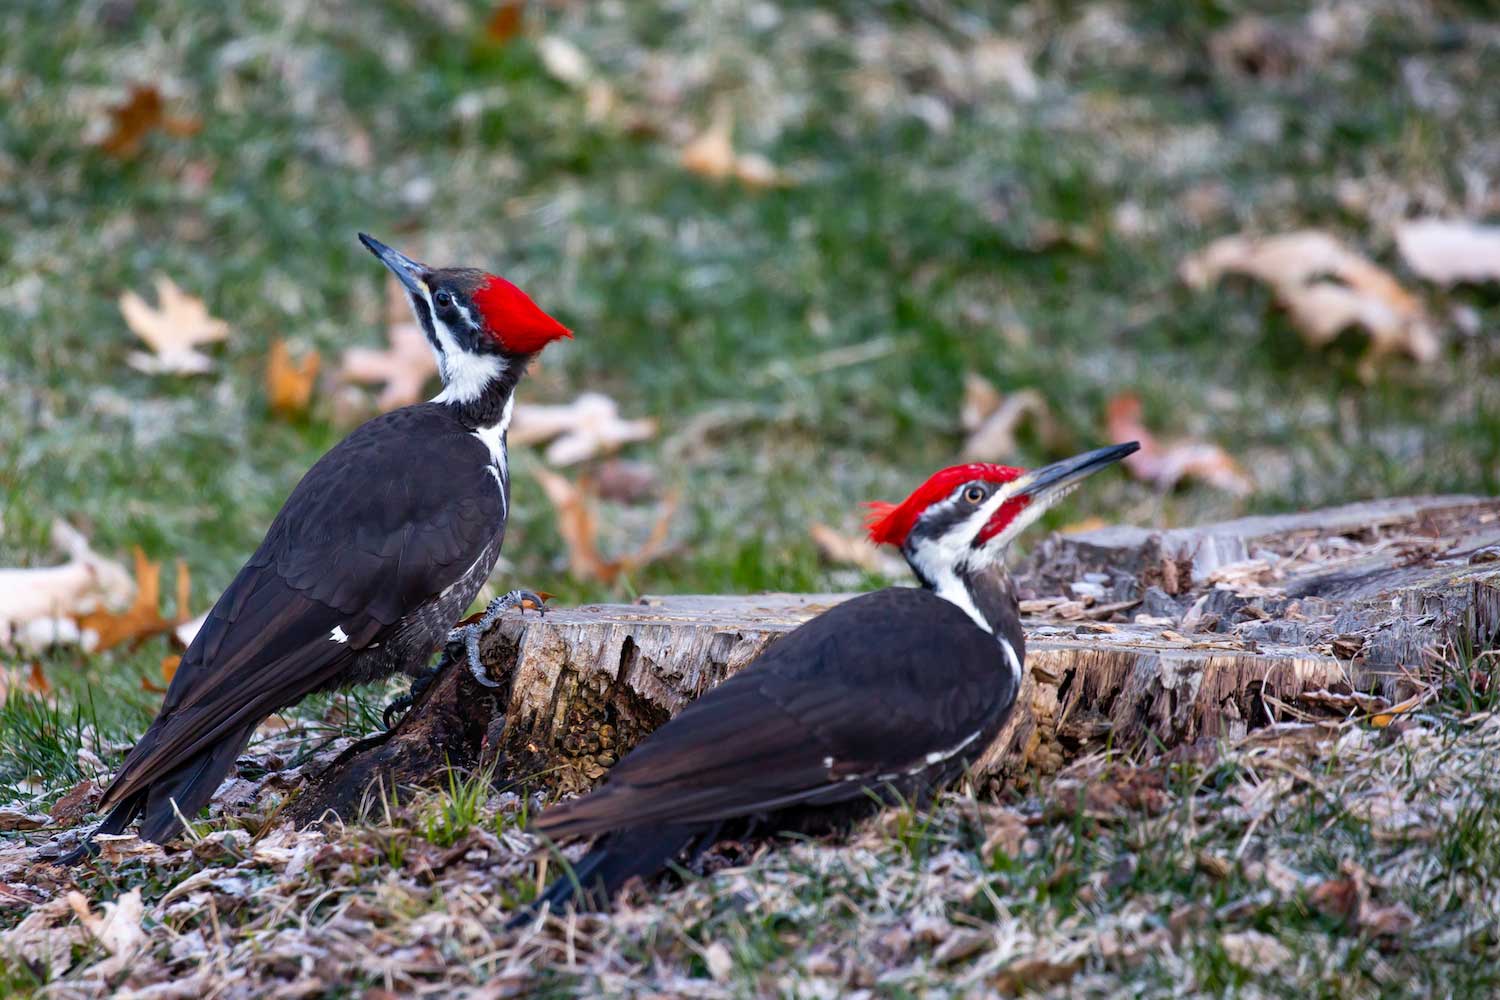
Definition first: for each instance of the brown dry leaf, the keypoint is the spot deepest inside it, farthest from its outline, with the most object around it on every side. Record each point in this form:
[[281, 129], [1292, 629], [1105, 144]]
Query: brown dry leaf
[[173, 329], [117, 928], [992, 420], [143, 618], [169, 665], [854, 550], [12, 818], [1325, 288], [405, 367], [588, 426], [578, 523], [1167, 464], [712, 155], [289, 384], [142, 111], [37, 606], [505, 21], [1450, 251]]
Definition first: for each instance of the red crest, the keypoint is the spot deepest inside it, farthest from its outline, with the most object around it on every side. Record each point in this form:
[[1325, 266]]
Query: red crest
[[514, 320], [890, 523]]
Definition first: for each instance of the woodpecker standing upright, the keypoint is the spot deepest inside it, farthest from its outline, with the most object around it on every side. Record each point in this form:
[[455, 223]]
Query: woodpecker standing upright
[[378, 550], [889, 694]]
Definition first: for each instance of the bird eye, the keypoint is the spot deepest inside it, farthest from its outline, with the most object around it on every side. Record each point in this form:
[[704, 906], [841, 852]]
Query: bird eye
[[974, 494], [442, 299]]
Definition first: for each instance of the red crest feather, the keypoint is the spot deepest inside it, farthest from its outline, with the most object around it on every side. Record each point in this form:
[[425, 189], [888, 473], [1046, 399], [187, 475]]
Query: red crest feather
[[514, 320], [890, 523]]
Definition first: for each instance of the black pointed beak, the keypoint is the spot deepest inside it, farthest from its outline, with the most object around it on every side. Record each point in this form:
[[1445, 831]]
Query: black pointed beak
[[1050, 483], [410, 273]]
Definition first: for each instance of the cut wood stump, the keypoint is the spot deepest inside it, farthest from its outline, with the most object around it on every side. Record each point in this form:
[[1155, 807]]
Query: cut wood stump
[[1135, 638]]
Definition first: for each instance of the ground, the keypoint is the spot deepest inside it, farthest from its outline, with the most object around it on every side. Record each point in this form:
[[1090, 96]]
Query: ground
[[960, 189]]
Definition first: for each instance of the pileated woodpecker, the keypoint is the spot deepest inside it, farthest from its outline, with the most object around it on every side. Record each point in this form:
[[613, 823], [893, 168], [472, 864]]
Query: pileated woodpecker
[[378, 550], [889, 694]]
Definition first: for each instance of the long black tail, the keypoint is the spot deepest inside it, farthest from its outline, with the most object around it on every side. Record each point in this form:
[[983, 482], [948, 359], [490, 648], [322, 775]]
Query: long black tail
[[163, 803], [615, 859]]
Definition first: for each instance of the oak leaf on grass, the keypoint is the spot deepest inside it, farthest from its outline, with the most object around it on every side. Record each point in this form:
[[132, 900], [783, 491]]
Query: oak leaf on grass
[[173, 329]]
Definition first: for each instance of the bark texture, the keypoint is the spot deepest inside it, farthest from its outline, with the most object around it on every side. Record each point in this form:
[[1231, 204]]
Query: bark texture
[[1134, 637]]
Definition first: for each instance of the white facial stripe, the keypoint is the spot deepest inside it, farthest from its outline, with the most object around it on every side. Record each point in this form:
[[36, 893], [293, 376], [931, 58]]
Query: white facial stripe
[[465, 375]]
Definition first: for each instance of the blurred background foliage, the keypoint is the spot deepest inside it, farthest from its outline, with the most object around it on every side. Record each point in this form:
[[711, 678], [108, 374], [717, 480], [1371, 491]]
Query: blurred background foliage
[[915, 194]]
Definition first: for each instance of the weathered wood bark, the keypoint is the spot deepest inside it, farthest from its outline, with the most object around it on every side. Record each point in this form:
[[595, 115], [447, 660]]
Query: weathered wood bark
[[1140, 637]]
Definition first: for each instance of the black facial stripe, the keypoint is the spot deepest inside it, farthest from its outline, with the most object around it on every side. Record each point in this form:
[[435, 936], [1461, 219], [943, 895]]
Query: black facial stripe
[[938, 520], [424, 318]]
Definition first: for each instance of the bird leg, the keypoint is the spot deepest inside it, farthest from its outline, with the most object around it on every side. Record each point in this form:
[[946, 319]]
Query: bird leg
[[463, 642], [419, 684], [469, 635]]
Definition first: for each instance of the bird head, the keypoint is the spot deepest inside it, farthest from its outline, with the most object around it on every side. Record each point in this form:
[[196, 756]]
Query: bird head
[[963, 519], [478, 324]]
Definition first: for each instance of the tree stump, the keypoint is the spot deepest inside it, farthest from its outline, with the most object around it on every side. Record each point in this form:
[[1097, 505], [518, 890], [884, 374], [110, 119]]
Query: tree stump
[[1134, 637]]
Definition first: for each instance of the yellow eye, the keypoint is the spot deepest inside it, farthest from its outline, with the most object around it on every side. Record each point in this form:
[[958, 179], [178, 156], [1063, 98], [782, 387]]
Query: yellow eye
[[974, 495]]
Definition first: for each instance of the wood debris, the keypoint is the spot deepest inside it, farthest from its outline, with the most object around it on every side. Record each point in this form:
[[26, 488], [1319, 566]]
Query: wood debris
[[173, 329], [589, 426], [1326, 288]]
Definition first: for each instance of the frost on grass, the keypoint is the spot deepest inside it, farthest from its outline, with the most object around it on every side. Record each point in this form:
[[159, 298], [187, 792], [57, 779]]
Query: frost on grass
[[1323, 855]]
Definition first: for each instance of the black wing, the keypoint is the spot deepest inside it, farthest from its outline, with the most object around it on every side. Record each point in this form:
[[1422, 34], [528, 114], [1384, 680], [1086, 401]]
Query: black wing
[[382, 524], [878, 686]]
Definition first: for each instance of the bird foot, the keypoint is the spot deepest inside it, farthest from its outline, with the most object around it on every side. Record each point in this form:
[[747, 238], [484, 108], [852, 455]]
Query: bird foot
[[419, 684], [470, 635]]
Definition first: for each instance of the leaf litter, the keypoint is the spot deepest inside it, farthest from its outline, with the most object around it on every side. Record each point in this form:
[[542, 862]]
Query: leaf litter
[[173, 329]]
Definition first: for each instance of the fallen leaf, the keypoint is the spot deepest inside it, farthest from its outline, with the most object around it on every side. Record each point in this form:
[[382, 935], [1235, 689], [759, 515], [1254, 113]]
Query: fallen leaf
[[117, 928], [143, 618], [289, 384], [405, 367], [720, 964], [505, 21], [142, 112], [13, 818], [712, 155], [624, 481], [992, 420], [564, 60], [1325, 288], [1254, 951], [169, 665], [1450, 251], [854, 550], [173, 329], [51, 596], [76, 803], [588, 426], [578, 523], [1167, 464]]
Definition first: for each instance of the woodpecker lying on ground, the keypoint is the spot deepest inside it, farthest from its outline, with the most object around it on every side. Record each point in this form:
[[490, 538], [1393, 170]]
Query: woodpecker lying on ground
[[377, 552], [889, 695]]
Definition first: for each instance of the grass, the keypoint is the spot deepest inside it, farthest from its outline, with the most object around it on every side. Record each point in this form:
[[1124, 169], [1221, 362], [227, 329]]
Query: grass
[[936, 225]]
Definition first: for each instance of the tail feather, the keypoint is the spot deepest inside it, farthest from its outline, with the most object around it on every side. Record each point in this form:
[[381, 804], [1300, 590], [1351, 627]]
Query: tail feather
[[614, 860], [164, 803]]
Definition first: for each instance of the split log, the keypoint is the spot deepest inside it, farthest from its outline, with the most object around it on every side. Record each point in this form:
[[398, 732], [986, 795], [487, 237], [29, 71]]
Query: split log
[[1140, 637]]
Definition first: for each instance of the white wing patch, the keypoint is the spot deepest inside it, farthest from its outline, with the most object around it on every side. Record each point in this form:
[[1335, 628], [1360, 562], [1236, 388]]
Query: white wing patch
[[338, 634]]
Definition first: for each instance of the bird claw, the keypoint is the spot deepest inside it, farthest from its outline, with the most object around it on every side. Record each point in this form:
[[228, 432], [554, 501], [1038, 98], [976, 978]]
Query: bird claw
[[419, 684], [470, 635]]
